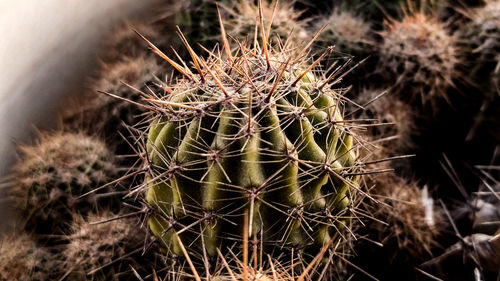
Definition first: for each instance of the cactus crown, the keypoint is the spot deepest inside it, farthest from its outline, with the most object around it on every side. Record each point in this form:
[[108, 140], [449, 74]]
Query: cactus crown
[[101, 248], [348, 31], [55, 172], [484, 30], [21, 259], [244, 16], [252, 130], [420, 50], [66, 160]]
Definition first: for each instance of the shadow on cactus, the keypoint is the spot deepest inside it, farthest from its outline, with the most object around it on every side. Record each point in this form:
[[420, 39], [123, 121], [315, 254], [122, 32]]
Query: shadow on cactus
[[258, 130]]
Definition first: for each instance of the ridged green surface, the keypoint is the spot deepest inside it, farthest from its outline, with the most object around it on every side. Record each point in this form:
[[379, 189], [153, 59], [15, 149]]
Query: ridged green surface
[[259, 140]]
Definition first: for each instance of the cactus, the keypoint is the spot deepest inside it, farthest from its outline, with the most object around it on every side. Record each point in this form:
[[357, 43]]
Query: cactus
[[482, 41], [419, 51], [414, 222], [255, 131], [21, 259], [349, 32], [482, 34], [243, 20], [104, 248], [51, 176]]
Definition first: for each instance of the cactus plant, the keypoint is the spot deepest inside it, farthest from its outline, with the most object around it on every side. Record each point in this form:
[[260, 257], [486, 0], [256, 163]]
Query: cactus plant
[[21, 259], [420, 52], [414, 222], [52, 174], [482, 34], [349, 32], [102, 247], [255, 131], [242, 20]]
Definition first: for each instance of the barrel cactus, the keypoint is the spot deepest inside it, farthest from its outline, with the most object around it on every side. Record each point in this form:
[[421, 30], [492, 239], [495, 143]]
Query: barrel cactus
[[52, 175], [482, 33], [256, 131], [21, 259], [349, 32], [242, 20], [103, 247], [421, 54]]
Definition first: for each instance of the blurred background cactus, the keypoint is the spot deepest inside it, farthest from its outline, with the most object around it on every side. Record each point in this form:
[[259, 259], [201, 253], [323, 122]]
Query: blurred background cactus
[[52, 175]]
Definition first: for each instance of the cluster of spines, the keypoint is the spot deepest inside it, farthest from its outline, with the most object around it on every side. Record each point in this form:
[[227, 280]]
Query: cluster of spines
[[242, 20], [48, 183], [21, 259], [349, 32], [421, 54], [104, 247]]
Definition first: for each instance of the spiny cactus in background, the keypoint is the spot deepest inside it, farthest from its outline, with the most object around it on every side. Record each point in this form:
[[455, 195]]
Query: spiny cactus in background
[[53, 173], [21, 259], [413, 220], [242, 20], [256, 131], [420, 54], [482, 39], [483, 35], [104, 248], [349, 32]]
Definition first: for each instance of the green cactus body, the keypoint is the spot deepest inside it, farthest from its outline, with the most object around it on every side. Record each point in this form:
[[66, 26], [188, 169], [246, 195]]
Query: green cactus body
[[251, 134]]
